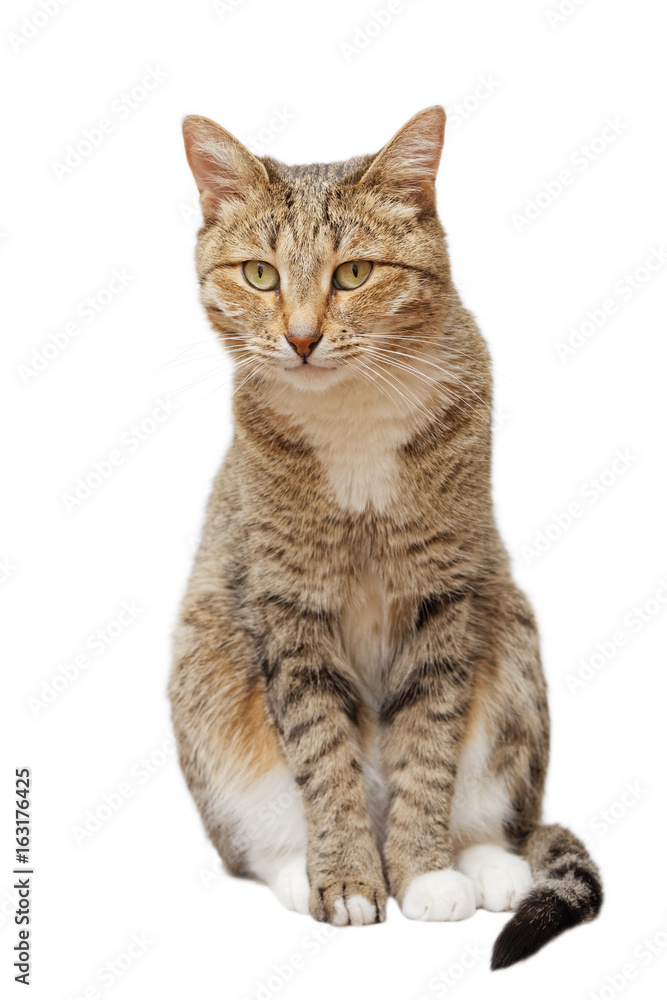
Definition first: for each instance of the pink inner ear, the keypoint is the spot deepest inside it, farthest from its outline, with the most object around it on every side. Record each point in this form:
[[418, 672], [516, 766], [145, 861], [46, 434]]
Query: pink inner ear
[[212, 171], [433, 140], [222, 167], [408, 164], [220, 180]]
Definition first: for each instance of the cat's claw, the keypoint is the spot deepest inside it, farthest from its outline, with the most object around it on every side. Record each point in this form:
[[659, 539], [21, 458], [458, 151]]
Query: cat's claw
[[348, 901]]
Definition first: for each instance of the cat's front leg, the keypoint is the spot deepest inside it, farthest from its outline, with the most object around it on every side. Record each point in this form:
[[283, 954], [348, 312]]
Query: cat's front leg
[[423, 718], [313, 701]]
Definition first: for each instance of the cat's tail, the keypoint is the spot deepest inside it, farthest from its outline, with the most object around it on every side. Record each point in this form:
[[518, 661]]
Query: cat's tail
[[567, 891]]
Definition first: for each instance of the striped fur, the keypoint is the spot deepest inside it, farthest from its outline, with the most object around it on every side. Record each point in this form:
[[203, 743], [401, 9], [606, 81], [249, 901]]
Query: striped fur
[[567, 891], [357, 691]]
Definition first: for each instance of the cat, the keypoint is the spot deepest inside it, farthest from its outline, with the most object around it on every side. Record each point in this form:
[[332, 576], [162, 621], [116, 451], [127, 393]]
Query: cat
[[357, 693]]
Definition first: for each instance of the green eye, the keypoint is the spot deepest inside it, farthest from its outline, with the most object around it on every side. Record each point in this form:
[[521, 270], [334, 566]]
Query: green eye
[[352, 273], [261, 275]]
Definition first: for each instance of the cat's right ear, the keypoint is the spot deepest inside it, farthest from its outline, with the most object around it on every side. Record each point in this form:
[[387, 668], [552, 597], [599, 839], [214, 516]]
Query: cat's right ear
[[225, 171]]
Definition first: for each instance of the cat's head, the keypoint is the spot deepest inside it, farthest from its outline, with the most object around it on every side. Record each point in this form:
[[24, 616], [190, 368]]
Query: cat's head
[[316, 274]]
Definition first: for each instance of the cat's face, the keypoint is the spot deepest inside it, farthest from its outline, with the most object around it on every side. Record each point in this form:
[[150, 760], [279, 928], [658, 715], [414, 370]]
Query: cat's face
[[317, 274]]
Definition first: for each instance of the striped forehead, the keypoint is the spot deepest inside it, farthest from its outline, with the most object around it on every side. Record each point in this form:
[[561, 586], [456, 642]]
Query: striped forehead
[[304, 248], [309, 220], [306, 234]]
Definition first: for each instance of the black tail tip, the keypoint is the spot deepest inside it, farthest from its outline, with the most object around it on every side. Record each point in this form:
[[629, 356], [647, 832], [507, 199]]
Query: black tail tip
[[540, 918], [513, 945]]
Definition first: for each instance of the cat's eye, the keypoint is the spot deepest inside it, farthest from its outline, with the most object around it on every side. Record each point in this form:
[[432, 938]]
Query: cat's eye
[[261, 275], [351, 274]]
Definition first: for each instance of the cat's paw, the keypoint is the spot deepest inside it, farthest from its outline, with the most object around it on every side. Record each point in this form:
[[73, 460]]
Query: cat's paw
[[441, 895], [348, 901], [290, 884], [499, 877]]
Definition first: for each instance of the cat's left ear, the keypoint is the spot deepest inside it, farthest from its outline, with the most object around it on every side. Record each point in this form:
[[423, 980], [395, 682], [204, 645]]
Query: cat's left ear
[[407, 166]]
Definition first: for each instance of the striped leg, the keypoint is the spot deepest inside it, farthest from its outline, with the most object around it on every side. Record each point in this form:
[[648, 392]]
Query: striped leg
[[314, 704], [424, 718]]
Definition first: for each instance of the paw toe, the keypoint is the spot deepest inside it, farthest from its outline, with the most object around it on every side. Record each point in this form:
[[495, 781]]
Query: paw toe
[[499, 877], [348, 901], [440, 895], [291, 885]]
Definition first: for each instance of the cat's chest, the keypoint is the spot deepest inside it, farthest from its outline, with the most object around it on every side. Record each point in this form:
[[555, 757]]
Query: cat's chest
[[357, 440], [360, 457], [366, 634]]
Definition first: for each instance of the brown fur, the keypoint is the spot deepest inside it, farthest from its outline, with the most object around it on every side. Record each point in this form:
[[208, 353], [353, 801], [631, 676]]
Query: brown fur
[[262, 678]]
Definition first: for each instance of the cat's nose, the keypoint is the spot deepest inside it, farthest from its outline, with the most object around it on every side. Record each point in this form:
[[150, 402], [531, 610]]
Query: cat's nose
[[303, 343]]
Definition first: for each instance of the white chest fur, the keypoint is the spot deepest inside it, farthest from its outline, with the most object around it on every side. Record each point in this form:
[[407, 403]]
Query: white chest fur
[[359, 459], [356, 441], [356, 431]]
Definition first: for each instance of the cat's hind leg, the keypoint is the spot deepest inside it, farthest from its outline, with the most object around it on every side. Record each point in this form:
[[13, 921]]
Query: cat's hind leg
[[231, 757], [503, 759], [268, 816], [481, 809], [251, 808]]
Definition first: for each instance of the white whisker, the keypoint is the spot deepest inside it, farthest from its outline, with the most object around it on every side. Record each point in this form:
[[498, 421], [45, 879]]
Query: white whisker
[[445, 371]]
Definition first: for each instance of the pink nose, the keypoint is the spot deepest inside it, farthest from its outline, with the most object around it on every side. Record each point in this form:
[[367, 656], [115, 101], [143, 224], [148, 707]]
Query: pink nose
[[303, 344]]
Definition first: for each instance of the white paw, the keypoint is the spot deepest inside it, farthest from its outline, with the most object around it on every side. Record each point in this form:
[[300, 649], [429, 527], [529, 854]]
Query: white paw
[[499, 877], [443, 895], [355, 910], [290, 884]]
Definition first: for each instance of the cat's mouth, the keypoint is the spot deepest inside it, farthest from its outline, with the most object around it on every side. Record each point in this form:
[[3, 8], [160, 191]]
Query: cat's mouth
[[307, 368], [310, 375]]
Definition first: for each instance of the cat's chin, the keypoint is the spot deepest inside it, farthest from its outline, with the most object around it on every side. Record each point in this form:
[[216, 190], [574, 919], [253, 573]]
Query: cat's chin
[[311, 376]]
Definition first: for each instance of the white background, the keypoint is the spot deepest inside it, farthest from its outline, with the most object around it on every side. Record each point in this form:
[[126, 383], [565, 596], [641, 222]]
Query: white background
[[550, 86]]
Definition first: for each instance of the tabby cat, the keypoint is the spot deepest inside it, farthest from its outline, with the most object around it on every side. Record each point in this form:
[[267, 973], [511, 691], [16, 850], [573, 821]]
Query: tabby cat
[[357, 692]]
